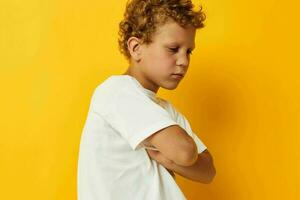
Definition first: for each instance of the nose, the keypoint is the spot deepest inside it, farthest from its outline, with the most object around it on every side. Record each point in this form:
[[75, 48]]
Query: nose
[[183, 60]]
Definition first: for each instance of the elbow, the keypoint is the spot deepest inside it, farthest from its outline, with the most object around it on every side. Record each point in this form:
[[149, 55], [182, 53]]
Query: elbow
[[210, 177], [190, 156], [210, 180]]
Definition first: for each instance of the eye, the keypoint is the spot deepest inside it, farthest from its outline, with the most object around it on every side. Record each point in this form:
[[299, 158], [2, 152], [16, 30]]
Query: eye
[[173, 49], [190, 52], [176, 49]]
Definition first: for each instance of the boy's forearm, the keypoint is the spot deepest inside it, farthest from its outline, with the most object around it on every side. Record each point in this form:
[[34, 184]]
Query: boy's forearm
[[202, 170]]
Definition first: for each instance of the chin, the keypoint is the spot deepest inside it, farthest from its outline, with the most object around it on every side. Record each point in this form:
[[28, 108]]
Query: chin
[[171, 86]]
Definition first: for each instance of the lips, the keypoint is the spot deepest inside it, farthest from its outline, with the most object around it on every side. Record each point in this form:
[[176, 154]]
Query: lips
[[179, 74]]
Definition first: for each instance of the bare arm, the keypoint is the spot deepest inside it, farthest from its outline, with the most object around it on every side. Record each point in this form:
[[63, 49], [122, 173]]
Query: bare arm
[[175, 144], [202, 170]]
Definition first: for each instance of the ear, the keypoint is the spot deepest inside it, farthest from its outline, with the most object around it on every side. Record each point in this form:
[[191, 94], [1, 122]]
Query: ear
[[134, 48]]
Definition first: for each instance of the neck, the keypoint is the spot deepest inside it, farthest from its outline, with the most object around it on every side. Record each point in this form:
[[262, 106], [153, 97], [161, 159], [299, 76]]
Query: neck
[[143, 80]]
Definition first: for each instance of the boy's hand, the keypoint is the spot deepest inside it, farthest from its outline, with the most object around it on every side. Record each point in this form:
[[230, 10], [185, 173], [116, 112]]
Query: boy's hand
[[160, 158]]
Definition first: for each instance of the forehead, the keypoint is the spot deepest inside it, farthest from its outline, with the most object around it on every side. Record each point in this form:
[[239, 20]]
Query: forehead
[[173, 33]]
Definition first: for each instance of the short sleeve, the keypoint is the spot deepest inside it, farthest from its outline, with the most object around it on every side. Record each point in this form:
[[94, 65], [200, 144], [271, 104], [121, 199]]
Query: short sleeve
[[184, 123], [135, 116]]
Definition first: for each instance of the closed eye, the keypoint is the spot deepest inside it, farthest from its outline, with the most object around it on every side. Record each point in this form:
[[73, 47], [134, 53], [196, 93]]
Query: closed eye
[[176, 49], [173, 49]]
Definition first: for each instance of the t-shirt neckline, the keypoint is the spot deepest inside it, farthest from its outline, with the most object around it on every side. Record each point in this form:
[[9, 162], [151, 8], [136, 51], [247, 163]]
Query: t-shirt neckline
[[147, 91]]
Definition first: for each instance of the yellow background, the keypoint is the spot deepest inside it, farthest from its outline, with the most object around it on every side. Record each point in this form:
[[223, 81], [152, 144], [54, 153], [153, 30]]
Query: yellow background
[[241, 94]]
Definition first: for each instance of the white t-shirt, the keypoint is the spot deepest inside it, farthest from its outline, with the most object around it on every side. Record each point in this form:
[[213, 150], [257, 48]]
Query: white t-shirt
[[113, 163]]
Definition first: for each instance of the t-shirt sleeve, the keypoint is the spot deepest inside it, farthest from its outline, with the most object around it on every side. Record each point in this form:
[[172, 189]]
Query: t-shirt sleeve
[[135, 116], [184, 123]]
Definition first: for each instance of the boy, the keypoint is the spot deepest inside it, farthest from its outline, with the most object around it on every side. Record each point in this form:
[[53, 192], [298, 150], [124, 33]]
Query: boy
[[133, 141]]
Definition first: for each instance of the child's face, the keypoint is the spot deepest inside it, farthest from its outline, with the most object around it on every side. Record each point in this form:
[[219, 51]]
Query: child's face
[[168, 54]]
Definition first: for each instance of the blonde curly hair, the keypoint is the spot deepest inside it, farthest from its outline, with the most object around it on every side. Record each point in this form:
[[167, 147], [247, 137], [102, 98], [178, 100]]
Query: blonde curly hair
[[142, 17]]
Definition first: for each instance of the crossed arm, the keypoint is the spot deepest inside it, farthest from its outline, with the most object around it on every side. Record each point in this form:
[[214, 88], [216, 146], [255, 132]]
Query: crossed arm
[[177, 151], [202, 170]]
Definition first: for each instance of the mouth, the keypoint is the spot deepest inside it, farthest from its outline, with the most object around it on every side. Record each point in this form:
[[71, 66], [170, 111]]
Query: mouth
[[177, 76]]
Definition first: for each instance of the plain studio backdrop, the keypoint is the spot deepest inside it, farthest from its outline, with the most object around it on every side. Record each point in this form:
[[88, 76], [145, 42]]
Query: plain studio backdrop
[[241, 94]]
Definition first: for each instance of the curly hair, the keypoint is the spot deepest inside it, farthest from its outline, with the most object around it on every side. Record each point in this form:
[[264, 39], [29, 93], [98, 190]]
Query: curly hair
[[142, 17]]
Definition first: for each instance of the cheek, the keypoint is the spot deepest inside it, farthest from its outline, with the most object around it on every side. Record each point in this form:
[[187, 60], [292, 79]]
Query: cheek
[[160, 60], [164, 57]]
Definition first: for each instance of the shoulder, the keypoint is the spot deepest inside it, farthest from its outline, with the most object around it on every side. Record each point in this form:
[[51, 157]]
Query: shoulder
[[105, 93], [112, 86], [116, 92]]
